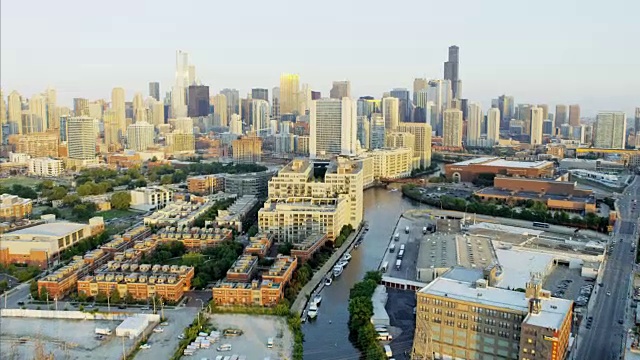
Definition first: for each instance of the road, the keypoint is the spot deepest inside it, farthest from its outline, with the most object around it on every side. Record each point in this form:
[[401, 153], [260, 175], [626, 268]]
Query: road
[[604, 341]]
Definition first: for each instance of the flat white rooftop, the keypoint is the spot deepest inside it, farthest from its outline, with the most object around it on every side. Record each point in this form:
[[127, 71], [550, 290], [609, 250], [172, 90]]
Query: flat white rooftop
[[517, 266], [518, 164], [506, 229], [56, 229], [476, 161]]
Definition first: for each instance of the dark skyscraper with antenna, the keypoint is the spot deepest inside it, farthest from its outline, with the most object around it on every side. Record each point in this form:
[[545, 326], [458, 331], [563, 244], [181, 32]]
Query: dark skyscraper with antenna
[[451, 68]]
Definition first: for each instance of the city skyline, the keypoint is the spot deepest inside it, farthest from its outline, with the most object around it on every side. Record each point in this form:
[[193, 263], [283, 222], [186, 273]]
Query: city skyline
[[575, 60]]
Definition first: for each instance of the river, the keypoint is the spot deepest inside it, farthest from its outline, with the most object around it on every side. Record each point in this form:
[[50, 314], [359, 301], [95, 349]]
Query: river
[[327, 336]]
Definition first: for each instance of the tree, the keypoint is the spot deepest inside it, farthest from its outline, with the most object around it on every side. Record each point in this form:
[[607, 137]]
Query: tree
[[114, 297], [71, 199], [121, 200], [166, 179], [57, 193]]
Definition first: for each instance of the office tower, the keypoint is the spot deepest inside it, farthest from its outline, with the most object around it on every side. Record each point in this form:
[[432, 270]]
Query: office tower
[[260, 94], [340, 89], [391, 113], [404, 100], [183, 125], [289, 91], [545, 111], [419, 84], [439, 92], [377, 131], [235, 125], [547, 127], [363, 131], [367, 105], [333, 128], [451, 71], [81, 138], [493, 126], [562, 115], [245, 111], [260, 117], [574, 115], [154, 90], [422, 134], [220, 109], [578, 133], [111, 129], [474, 124], [157, 113], [53, 117], [506, 107], [139, 111], [275, 104], [523, 113], [118, 106], [611, 130], [637, 120], [96, 110], [198, 99], [140, 136], [536, 125], [178, 92], [316, 95], [421, 97], [3, 109], [80, 107], [452, 128], [38, 110], [233, 102], [14, 112]]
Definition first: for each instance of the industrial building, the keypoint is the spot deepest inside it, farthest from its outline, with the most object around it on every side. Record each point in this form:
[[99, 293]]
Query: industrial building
[[470, 169]]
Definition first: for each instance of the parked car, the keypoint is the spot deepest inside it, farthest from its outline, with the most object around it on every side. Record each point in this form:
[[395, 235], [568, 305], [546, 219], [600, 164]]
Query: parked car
[[145, 346]]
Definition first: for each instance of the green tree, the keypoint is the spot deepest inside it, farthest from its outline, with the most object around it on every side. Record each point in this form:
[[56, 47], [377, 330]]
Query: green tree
[[166, 179], [121, 200], [57, 193], [71, 199], [114, 297]]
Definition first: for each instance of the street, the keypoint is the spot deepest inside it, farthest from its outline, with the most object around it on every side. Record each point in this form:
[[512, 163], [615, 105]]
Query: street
[[604, 341]]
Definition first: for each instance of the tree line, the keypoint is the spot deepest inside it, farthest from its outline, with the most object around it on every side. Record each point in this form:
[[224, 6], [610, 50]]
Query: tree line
[[362, 332]]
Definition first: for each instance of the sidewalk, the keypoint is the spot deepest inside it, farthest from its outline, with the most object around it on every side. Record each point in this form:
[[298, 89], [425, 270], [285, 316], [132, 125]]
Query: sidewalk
[[318, 277]]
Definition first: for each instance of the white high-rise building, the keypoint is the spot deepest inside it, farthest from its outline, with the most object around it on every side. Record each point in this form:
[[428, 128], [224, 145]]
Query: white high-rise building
[[493, 126], [333, 128], [14, 112], [391, 113], [139, 110], [611, 129], [183, 125], [140, 136], [377, 132], [260, 116], [235, 127], [422, 140], [53, 118], [439, 92], [178, 92], [452, 128], [157, 113], [118, 106], [474, 124], [537, 121], [38, 110], [220, 117], [81, 138]]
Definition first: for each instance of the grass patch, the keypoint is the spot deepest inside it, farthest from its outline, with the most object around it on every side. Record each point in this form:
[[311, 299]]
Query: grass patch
[[115, 213], [20, 180]]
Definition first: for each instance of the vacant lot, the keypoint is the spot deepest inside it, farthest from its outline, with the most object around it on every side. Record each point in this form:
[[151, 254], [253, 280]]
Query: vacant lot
[[20, 180], [115, 214]]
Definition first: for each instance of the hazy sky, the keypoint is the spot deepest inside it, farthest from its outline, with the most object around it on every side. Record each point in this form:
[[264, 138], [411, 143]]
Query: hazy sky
[[545, 51]]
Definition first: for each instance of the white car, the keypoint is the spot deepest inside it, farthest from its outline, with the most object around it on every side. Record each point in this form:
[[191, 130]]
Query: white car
[[145, 346], [158, 330], [608, 293]]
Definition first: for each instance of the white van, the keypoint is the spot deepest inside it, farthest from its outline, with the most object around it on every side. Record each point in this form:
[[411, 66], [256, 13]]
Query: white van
[[387, 351], [384, 336], [392, 248], [384, 267], [398, 264], [270, 343]]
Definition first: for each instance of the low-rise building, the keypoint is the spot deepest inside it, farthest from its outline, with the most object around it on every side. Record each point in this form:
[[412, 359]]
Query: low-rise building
[[243, 268], [243, 209], [259, 245], [255, 293], [205, 184], [282, 269], [13, 207], [308, 247], [46, 167], [598, 165], [194, 239], [63, 281], [150, 198], [178, 214], [248, 184], [392, 163], [469, 170]]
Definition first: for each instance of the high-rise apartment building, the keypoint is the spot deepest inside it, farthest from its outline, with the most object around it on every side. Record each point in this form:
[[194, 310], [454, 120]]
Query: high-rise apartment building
[[180, 143], [111, 129], [157, 113], [439, 92], [81, 140], [198, 100], [537, 119], [289, 91], [404, 103], [139, 110], [376, 132], [562, 115], [220, 109], [275, 103], [333, 128], [178, 92], [260, 117], [53, 115], [452, 128], [340, 89], [422, 144], [611, 130], [451, 71], [14, 112], [493, 126], [37, 145], [637, 120], [574, 115], [419, 84], [364, 131], [154, 90], [140, 136], [523, 113], [391, 113], [80, 107], [233, 102], [474, 124], [461, 315], [260, 94], [118, 106], [38, 111], [247, 150], [545, 111]]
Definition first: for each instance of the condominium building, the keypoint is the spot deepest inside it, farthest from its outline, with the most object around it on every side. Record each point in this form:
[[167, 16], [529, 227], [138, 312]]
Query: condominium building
[[194, 239], [180, 143], [247, 149], [333, 128], [205, 184], [45, 167], [235, 216], [397, 139], [81, 141], [37, 145], [452, 125], [536, 125], [305, 250], [13, 207], [259, 245], [474, 124], [150, 198], [391, 113], [493, 126], [140, 136], [460, 315], [289, 93], [247, 184], [422, 134], [256, 293], [611, 130], [392, 163]]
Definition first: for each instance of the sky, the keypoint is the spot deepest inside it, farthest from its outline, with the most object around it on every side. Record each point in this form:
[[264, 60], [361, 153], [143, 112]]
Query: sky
[[583, 52]]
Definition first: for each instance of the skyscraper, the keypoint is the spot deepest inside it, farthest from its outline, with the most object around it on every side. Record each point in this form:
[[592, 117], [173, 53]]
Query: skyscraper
[[611, 130], [419, 84], [404, 99], [506, 107], [340, 89], [220, 108], [118, 106], [157, 113], [422, 135], [53, 117], [439, 92], [140, 136], [391, 113], [363, 131], [80, 107], [545, 111], [81, 138], [198, 99], [178, 92], [139, 110], [289, 91], [536, 125], [275, 103], [3, 110], [451, 70], [333, 128], [562, 115], [154, 90], [474, 124], [377, 131], [260, 94], [637, 120], [493, 126], [452, 125], [233, 102], [574, 115], [14, 112], [38, 110], [111, 129], [260, 117]]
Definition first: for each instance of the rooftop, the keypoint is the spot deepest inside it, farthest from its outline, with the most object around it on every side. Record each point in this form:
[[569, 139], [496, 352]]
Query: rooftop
[[479, 160], [535, 195], [56, 229], [517, 266], [519, 164], [437, 251]]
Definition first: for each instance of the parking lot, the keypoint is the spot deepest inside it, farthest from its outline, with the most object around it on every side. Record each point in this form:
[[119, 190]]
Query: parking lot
[[253, 342], [411, 241], [22, 338], [165, 343], [400, 306], [569, 284]]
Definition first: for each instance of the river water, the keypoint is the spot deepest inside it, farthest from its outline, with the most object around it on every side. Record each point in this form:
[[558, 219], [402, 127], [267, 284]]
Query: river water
[[327, 336]]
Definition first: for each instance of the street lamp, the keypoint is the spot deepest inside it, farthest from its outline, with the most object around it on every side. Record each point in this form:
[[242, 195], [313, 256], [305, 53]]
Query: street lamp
[[201, 304]]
